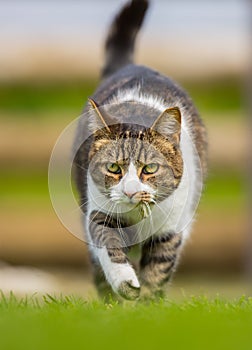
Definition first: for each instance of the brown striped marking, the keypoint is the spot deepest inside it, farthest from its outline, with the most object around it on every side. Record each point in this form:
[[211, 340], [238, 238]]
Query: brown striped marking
[[159, 258], [103, 234]]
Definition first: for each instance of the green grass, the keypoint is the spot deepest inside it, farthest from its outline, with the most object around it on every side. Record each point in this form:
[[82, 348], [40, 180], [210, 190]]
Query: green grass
[[223, 94], [72, 323]]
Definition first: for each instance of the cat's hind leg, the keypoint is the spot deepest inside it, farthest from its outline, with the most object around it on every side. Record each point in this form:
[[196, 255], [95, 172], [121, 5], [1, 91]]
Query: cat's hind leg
[[158, 261]]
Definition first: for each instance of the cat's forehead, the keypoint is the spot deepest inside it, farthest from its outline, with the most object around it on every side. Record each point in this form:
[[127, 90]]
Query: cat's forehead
[[130, 149]]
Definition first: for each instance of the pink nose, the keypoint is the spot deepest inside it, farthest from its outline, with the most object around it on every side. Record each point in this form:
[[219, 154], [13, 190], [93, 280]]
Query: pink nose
[[130, 194]]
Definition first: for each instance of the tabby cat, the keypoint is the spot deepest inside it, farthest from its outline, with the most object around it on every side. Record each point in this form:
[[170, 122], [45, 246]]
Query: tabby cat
[[139, 172]]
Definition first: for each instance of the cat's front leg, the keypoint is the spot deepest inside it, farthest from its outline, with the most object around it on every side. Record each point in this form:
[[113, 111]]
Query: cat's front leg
[[158, 262], [108, 249]]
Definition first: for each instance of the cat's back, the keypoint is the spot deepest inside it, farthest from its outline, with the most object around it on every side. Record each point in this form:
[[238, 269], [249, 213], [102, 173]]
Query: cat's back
[[148, 81]]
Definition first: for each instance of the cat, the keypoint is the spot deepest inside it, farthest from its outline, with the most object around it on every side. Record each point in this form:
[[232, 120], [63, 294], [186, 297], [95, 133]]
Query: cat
[[140, 171]]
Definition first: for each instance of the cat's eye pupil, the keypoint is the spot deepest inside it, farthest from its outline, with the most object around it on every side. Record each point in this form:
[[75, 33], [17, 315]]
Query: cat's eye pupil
[[150, 168], [113, 168]]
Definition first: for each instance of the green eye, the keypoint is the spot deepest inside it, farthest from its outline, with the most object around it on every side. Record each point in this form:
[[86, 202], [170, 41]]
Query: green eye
[[113, 168], [150, 168]]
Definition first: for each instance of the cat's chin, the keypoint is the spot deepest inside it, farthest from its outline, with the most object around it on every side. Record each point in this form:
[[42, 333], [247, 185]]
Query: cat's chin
[[144, 208]]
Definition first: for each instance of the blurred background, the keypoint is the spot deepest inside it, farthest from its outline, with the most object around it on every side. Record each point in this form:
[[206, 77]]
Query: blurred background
[[51, 54]]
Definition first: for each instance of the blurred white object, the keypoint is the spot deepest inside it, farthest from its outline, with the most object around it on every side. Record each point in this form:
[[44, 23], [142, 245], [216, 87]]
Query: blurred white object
[[26, 280]]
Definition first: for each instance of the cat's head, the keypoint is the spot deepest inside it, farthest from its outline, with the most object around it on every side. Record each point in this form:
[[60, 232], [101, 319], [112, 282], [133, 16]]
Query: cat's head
[[130, 163]]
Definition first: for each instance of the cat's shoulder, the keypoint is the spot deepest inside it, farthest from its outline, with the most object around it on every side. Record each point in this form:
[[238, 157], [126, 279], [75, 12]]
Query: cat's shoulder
[[135, 76]]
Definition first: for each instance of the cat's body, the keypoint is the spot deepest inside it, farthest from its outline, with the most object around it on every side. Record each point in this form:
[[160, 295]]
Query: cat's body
[[140, 173]]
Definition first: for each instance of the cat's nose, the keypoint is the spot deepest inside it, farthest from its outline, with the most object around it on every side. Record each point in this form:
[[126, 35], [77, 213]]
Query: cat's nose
[[131, 186], [129, 194]]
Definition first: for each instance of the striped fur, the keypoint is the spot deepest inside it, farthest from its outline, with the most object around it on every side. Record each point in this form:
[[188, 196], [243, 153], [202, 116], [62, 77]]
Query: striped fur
[[137, 118], [159, 259], [120, 42]]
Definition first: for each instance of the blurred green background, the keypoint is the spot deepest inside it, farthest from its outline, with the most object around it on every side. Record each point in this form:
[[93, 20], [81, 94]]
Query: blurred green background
[[50, 63]]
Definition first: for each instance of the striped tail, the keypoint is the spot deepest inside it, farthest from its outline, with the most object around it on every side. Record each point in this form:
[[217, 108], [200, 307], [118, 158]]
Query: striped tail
[[120, 42]]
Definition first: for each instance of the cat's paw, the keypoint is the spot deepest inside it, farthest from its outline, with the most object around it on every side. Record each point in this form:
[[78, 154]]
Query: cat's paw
[[120, 276], [124, 281], [128, 290]]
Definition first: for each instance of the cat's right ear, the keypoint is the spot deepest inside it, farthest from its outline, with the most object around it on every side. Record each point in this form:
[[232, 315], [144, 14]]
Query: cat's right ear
[[96, 119]]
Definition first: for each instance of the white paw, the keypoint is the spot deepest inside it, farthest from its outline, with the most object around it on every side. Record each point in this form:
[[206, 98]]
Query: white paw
[[123, 280], [121, 277]]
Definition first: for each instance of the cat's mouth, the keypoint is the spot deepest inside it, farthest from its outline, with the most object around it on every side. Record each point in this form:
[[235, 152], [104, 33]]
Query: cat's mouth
[[144, 201], [141, 197], [135, 199]]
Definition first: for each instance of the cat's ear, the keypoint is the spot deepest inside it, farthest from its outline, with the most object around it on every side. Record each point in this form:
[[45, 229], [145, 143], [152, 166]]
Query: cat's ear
[[168, 123], [96, 119]]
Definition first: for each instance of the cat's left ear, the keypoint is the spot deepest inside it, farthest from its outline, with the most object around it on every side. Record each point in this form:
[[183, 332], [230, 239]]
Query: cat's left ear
[[168, 123]]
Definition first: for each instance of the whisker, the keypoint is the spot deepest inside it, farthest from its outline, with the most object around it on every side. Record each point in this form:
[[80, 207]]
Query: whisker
[[150, 216], [139, 229], [121, 232], [89, 193], [110, 210], [79, 166], [97, 212], [90, 201], [83, 204], [160, 208]]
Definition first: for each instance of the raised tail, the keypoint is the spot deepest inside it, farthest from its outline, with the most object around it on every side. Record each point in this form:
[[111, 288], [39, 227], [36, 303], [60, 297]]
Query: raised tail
[[120, 42]]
